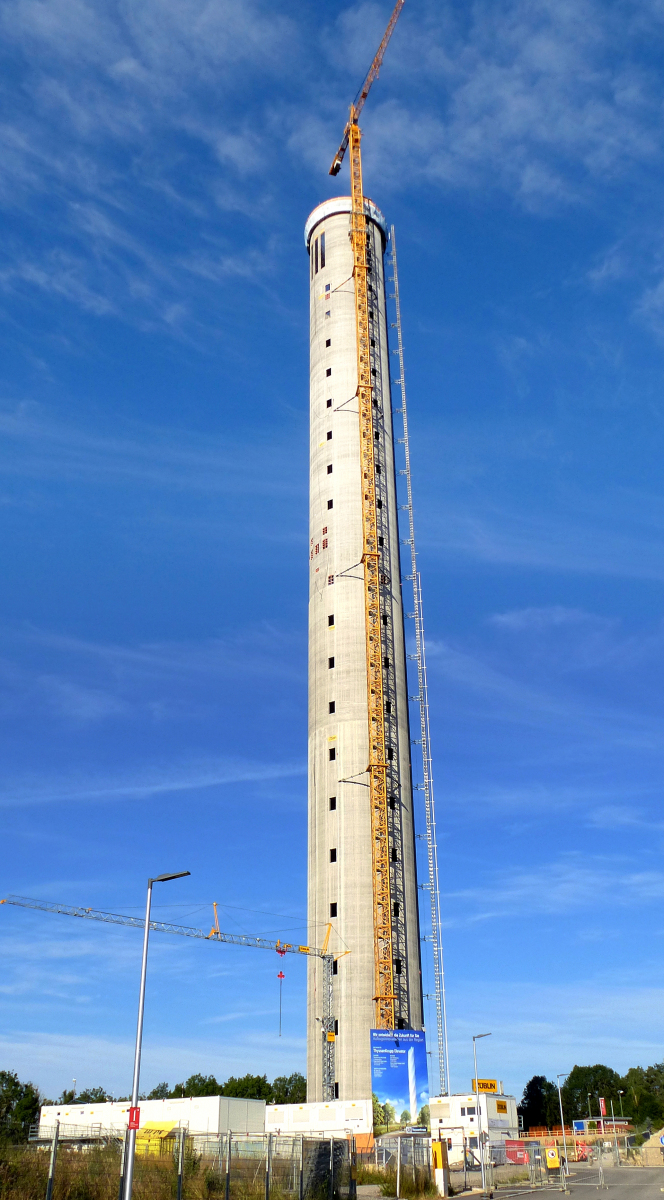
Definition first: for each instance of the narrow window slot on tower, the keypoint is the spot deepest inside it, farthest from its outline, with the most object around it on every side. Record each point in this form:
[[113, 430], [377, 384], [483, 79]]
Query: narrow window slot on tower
[[336, 1090], [330, 663], [316, 257], [329, 468], [330, 620], [322, 250], [335, 967], [336, 1028], [329, 404], [333, 908], [329, 371], [394, 855], [333, 856], [330, 504], [332, 753], [328, 342], [333, 706], [329, 435], [333, 803]]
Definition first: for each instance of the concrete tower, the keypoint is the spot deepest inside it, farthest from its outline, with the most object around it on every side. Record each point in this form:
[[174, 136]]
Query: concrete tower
[[340, 844]]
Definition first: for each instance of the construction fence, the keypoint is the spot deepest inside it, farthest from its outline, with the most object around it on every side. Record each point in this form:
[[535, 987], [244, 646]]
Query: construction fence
[[193, 1166]]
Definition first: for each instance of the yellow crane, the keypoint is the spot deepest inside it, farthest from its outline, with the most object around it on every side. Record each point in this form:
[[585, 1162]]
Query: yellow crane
[[377, 768], [216, 935]]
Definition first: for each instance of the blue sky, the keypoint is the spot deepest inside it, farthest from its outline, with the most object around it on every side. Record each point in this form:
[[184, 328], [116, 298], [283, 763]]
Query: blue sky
[[158, 163]]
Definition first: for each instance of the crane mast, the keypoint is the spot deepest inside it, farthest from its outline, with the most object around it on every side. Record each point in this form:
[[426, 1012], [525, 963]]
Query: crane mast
[[374, 579]]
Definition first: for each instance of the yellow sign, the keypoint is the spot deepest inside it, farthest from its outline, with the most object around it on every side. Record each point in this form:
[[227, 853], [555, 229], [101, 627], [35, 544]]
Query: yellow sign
[[439, 1155], [501, 1106], [552, 1159], [486, 1085]]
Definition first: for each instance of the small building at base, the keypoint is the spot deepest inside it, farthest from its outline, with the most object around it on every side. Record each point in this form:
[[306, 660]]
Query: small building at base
[[200, 1114], [334, 1118], [455, 1119]]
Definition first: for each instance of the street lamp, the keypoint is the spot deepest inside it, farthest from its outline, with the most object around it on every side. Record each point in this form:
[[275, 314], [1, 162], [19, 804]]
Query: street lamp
[[133, 1114], [621, 1094], [476, 1038], [563, 1075]]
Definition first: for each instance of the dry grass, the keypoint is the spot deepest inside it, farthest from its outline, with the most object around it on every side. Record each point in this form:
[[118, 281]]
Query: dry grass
[[95, 1175]]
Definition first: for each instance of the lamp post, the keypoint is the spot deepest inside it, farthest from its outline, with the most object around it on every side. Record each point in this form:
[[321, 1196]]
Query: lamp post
[[563, 1075], [621, 1094], [133, 1113], [476, 1038]]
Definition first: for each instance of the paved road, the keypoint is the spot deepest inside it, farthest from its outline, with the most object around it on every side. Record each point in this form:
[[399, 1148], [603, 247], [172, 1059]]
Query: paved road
[[624, 1183]]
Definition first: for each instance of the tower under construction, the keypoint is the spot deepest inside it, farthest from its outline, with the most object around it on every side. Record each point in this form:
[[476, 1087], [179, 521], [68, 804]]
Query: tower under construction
[[362, 875]]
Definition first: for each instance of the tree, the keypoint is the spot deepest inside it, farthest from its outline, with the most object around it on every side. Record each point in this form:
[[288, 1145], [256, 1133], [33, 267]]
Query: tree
[[247, 1087], [538, 1102], [589, 1081], [66, 1097], [389, 1113], [289, 1089], [378, 1112], [95, 1095], [644, 1094], [404, 1119], [197, 1085], [160, 1092], [19, 1108], [424, 1116]]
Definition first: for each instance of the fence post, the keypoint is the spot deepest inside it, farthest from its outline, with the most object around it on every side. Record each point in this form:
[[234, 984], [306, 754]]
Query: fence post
[[122, 1164], [352, 1187], [228, 1167], [331, 1184], [301, 1189], [181, 1162], [398, 1165], [268, 1166], [51, 1165]]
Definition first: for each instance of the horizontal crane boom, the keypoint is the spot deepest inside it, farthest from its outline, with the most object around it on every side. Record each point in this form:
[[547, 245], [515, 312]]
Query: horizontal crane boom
[[372, 74], [235, 939], [215, 935]]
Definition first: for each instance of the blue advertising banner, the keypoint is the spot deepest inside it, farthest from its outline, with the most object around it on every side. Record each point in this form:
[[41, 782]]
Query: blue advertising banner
[[399, 1069]]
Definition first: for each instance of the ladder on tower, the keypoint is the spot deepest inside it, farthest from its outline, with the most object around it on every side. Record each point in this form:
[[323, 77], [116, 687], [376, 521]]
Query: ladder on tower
[[422, 699]]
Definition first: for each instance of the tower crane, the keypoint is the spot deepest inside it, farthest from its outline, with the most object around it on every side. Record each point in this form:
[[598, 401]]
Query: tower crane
[[377, 769], [233, 939]]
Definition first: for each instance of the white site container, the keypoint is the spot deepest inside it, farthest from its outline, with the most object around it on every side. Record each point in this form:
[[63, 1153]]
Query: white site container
[[336, 1117], [454, 1118], [201, 1114]]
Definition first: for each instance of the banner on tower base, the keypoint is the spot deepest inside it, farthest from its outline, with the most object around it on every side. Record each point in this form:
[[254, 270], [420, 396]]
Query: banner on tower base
[[399, 1071]]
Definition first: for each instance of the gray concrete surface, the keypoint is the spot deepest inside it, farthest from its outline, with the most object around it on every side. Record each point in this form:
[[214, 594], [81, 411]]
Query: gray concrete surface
[[624, 1183]]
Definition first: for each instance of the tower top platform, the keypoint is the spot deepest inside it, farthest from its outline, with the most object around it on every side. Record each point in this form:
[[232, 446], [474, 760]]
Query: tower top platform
[[342, 204]]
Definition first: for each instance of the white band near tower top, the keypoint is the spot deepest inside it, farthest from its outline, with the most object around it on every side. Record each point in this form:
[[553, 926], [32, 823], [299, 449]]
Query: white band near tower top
[[342, 204]]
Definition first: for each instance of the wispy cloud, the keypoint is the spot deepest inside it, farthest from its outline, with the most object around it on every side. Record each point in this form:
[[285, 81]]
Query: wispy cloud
[[157, 780], [572, 883]]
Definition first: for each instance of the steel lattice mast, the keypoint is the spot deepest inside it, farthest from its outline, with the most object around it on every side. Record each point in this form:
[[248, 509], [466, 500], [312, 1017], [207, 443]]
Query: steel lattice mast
[[422, 699]]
